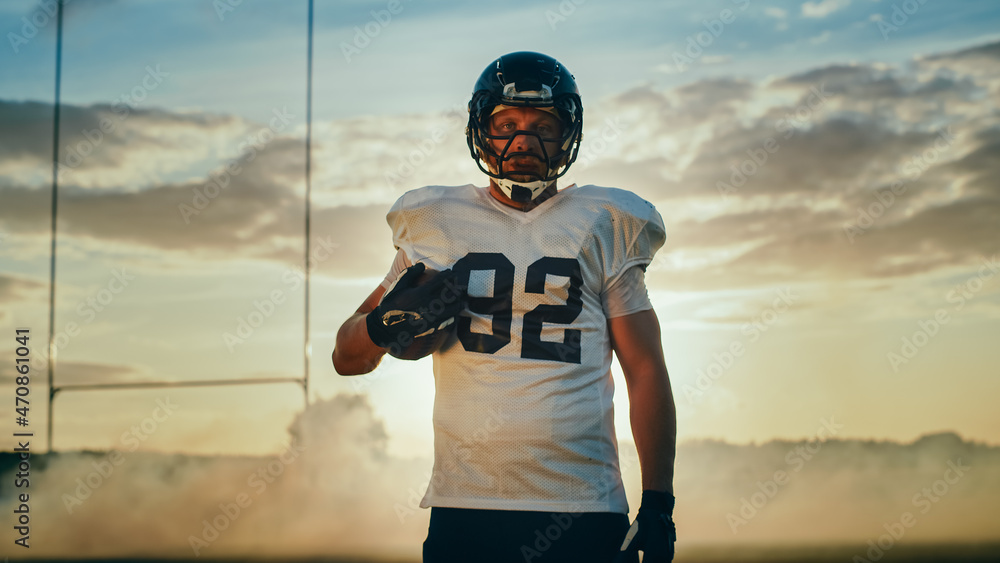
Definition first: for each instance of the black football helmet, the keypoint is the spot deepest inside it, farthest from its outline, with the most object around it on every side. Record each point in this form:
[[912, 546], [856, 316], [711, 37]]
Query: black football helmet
[[525, 79]]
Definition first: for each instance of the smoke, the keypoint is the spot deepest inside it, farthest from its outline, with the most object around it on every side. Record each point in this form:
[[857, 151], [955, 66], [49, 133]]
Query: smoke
[[839, 491], [335, 491], [332, 491]]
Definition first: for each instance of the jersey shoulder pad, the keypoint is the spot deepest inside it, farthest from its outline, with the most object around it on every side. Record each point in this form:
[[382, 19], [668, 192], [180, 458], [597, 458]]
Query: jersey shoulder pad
[[638, 228], [622, 200], [429, 195], [410, 216]]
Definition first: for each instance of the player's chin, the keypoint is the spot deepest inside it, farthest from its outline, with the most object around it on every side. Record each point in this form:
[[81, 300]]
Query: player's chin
[[525, 174], [523, 178]]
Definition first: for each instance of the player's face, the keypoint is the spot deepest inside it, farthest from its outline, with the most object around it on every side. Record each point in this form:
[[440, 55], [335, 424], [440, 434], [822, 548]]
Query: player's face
[[526, 150]]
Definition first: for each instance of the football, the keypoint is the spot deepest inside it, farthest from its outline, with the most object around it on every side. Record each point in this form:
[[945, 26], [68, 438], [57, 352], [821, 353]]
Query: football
[[430, 329]]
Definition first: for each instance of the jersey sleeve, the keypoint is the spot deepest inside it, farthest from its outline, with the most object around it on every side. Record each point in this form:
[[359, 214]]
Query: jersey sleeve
[[627, 294], [416, 221], [397, 220], [399, 263], [638, 234]]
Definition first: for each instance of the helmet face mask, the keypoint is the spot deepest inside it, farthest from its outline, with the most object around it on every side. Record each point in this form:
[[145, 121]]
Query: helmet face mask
[[532, 80]]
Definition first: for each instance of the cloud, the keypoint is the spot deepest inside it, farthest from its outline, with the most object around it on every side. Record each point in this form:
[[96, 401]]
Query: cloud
[[776, 13], [12, 287], [979, 63], [837, 136], [821, 38], [823, 8], [254, 211], [160, 181], [112, 147], [988, 51], [16, 289], [80, 373], [769, 176]]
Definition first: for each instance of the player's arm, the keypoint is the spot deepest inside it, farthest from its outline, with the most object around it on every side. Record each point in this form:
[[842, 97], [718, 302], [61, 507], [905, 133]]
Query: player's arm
[[410, 319], [354, 352], [636, 341]]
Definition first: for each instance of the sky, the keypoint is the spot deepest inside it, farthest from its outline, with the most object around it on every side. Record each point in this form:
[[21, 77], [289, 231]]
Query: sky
[[824, 171]]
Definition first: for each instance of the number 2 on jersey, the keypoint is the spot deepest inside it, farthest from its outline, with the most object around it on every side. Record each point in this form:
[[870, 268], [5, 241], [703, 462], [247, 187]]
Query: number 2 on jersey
[[500, 307]]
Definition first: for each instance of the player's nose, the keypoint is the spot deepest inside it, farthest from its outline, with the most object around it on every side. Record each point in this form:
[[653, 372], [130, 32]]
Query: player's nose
[[525, 142]]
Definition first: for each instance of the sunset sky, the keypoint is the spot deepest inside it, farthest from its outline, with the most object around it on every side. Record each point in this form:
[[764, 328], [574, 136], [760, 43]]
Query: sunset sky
[[827, 174]]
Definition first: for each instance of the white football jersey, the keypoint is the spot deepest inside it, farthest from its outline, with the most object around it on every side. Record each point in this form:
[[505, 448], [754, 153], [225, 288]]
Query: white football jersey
[[523, 414]]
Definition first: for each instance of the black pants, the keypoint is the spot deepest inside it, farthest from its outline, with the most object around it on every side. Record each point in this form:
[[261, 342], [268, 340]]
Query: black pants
[[460, 535]]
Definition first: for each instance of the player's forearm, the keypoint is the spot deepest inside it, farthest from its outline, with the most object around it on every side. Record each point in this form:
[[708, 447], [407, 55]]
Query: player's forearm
[[654, 427], [355, 353]]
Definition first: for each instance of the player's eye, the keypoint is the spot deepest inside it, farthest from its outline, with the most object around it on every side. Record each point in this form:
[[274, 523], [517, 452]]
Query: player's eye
[[549, 131]]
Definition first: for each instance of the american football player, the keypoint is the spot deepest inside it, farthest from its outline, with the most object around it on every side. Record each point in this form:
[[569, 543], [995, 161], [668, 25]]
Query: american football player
[[552, 284]]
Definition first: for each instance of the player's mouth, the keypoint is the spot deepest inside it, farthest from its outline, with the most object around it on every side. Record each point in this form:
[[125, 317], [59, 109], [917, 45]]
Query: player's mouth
[[525, 164]]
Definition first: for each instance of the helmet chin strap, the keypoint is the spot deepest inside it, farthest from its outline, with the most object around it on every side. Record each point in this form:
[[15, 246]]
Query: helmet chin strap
[[522, 192]]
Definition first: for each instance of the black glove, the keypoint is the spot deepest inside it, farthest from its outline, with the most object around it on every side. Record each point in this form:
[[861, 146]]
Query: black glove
[[652, 531], [408, 310]]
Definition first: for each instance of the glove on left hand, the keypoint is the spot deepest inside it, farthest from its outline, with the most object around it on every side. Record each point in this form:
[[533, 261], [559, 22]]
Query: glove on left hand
[[653, 531]]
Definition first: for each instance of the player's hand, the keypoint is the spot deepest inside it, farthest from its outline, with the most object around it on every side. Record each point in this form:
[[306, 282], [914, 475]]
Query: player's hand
[[652, 531], [410, 309]]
